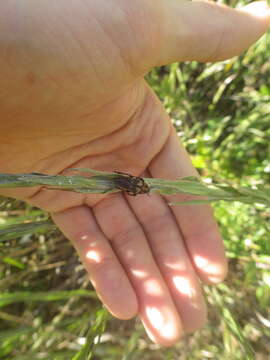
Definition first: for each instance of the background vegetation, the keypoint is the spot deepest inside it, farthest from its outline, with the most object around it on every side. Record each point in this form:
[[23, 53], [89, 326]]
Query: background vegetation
[[48, 309]]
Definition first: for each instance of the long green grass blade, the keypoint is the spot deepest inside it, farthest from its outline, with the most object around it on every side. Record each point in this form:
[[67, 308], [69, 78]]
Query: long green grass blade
[[25, 296], [104, 182], [17, 230], [94, 333]]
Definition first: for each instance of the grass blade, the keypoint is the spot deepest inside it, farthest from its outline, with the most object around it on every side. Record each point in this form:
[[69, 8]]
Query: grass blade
[[25, 296], [14, 231], [94, 332], [104, 182]]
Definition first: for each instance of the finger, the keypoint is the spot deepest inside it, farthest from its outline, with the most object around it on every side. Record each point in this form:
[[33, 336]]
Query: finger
[[207, 31], [167, 245], [156, 307], [98, 258], [196, 222]]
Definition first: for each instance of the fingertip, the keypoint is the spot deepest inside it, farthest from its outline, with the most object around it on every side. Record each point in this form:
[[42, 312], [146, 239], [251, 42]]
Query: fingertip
[[166, 338], [220, 275], [211, 271], [126, 313], [259, 9], [163, 325], [123, 305], [130, 308], [200, 322]]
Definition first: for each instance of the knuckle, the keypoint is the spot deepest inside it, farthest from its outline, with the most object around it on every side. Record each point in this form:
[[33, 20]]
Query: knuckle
[[159, 224], [83, 239], [125, 238], [105, 265]]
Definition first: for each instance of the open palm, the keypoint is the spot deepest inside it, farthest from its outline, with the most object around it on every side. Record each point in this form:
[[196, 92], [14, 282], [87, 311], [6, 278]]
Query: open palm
[[83, 102]]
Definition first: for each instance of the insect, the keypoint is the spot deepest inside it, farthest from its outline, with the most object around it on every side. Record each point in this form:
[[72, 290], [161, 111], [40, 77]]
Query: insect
[[131, 185]]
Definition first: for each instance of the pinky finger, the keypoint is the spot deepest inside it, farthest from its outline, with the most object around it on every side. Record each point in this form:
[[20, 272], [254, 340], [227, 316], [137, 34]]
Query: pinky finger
[[104, 269]]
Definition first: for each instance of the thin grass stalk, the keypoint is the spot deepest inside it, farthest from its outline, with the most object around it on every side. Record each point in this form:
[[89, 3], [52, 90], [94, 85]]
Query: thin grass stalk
[[105, 182]]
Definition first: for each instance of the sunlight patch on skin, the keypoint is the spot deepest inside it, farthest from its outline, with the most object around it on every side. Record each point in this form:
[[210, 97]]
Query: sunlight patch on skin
[[86, 239], [184, 286], [161, 323], [258, 9], [152, 287], [213, 271], [155, 316], [139, 273], [168, 331], [130, 254], [176, 266], [94, 256], [200, 261], [214, 279]]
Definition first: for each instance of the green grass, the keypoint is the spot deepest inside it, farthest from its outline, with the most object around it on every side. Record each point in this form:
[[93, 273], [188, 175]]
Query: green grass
[[48, 310], [104, 182]]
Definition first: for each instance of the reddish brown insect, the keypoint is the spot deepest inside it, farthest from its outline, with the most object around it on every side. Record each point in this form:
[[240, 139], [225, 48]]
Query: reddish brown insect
[[130, 184]]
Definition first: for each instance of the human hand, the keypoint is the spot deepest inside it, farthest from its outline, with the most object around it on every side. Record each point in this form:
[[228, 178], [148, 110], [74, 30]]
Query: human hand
[[75, 71]]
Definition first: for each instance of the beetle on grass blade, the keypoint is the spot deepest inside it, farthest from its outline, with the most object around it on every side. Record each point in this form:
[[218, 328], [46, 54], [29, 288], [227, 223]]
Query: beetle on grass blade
[[130, 184]]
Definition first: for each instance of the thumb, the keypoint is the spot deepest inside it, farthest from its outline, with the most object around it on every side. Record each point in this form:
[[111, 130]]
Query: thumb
[[206, 31]]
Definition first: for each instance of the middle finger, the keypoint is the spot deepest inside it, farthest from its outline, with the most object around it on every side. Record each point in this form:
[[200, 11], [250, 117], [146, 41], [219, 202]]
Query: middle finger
[[156, 307]]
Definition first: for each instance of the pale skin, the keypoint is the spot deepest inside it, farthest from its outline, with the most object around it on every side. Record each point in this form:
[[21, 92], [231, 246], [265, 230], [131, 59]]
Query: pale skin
[[74, 96]]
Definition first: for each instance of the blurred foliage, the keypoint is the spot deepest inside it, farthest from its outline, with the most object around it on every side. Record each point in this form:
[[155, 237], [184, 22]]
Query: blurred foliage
[[222, 114]]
